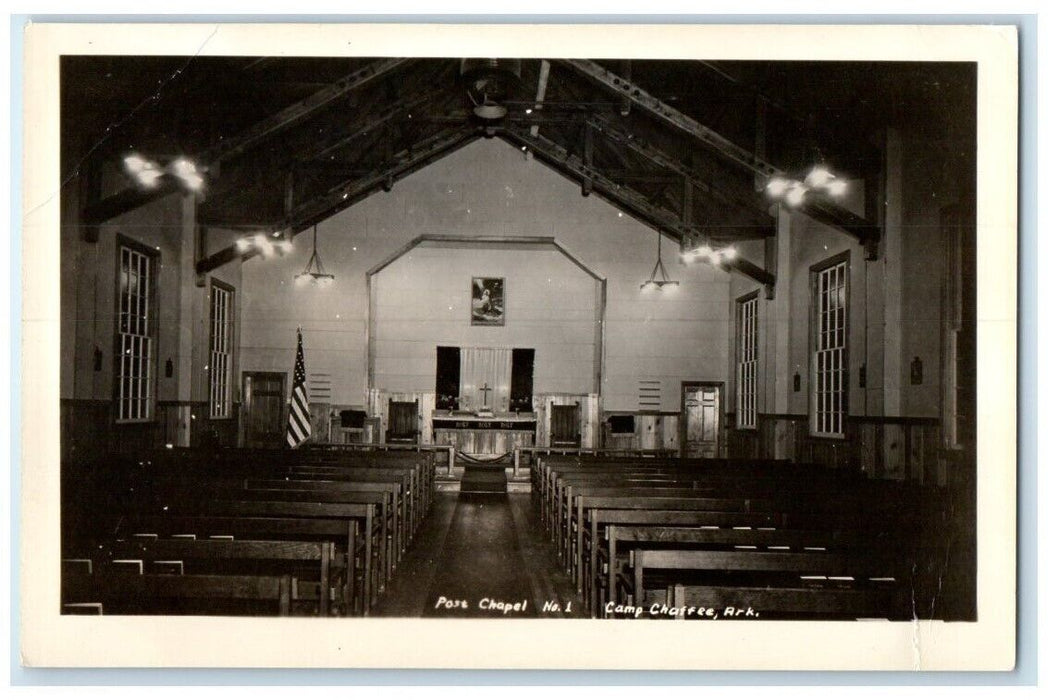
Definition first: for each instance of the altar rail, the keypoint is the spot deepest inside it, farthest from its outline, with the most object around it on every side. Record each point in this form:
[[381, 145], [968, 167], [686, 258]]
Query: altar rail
[[447, 450], [529, 453]]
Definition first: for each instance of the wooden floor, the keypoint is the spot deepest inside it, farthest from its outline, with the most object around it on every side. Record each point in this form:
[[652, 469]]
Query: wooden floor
[[475, 552]]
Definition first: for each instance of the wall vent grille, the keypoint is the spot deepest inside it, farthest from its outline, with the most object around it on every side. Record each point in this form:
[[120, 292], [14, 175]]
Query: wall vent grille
[[649, 394]]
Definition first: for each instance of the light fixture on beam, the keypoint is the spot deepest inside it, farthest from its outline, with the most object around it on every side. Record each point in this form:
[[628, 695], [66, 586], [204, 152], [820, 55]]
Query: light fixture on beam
[[659, 279], [186, 171], [148, 173], [314, 272], [792, 192], [705, 252], [264, 245]]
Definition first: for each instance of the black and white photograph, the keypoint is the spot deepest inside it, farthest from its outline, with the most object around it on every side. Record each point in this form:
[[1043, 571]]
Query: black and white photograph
[[743, 388]]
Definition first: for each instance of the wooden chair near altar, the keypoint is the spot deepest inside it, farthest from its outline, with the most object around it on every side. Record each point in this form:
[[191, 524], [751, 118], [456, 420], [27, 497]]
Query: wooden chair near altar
[[564, 426], [402, 426]]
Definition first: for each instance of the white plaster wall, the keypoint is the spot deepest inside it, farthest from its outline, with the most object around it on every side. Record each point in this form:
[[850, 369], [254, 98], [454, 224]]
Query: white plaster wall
[[423, 300]]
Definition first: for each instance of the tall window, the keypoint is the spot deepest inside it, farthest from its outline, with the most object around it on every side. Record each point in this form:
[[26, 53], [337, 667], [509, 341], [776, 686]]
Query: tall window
[[136, 331], [746, 362], [220, 364], [829, 357]]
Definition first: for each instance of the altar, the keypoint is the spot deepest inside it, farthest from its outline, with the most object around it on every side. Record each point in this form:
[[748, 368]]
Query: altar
[[483, 433]]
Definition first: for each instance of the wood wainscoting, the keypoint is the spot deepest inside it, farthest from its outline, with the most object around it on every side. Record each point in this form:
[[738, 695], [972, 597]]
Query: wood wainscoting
[[652, 430], [882, 447], [87, 427]]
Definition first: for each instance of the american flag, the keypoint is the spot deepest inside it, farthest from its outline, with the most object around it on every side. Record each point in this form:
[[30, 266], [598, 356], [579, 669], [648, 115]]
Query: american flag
[[298, 425]]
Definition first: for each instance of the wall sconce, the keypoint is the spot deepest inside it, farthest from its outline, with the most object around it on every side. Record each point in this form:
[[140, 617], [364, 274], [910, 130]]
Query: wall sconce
[[98, 359], [169, 368], [796, 381]]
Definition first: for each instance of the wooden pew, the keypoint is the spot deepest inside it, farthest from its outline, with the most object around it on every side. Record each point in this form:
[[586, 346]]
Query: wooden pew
[[283, 498], [541, 474], [712, 472], [349, 478], [164, 593], [571, 523], [409, 499], [392, 512], [691, 530], [850, 585], [336, 493], [214, 557], [846, 503], [346, 532]]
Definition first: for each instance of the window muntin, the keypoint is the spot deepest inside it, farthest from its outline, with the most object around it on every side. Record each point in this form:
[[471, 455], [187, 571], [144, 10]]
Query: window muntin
[[829, 352], [746, 363], [135, 336], [220, 359]]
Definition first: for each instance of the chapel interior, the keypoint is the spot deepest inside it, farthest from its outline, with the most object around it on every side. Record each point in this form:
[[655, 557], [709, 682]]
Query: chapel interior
[[481, 337]]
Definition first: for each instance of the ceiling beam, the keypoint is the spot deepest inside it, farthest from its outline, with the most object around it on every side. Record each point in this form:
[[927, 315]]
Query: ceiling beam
[[755, 273], [751, 204], [820, 209], [540, 92], [102, 210], [618, 194], [655, 216], [236, 145], [675, 117], [370, 123], [349, 193], [587, 155], [402, 163], [131, 198], [315, 150]]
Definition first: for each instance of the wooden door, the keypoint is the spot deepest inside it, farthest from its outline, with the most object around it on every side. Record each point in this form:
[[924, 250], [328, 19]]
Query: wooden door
[[264, 402], [701, 419]]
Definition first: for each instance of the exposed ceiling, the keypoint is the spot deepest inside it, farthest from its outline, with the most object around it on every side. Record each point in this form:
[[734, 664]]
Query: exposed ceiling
[[683, 145]]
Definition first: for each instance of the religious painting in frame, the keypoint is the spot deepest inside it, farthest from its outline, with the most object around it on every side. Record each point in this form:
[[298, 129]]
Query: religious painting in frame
[[488, 301]]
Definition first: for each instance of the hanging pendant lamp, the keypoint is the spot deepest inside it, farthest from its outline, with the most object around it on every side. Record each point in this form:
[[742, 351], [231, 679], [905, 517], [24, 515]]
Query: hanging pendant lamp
[[314, 272], [659, 278]]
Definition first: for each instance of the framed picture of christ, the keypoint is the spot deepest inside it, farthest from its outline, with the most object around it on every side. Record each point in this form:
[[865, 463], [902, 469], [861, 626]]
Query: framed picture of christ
[[488, 307]]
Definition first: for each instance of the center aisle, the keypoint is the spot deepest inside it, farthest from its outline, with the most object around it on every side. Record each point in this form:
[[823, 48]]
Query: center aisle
[[479, 556]]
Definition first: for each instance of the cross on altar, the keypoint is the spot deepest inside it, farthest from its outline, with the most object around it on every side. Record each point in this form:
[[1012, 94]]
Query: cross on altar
[[485, 389]]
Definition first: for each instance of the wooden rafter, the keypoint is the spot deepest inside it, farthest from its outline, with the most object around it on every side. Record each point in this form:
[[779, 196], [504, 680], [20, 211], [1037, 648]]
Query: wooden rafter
[[369, 130], [619, 194], [368, 124], [755, 273], [402, 163], [348, 193], [627, 198], [820, 209], [132, 198], [293, 113], [653, 105], [540, 92], [751, 205]]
